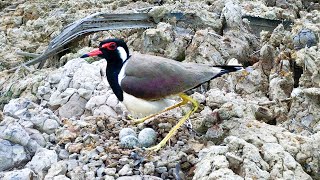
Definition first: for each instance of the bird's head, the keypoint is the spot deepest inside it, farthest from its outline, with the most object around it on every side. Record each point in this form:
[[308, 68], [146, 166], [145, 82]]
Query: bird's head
[[111, 50]]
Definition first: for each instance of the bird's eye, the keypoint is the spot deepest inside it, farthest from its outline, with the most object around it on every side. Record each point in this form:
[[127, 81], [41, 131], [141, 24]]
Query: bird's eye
[[110, 46]]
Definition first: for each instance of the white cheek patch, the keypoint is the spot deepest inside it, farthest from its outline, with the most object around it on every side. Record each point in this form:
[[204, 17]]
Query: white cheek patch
[[122, 53]]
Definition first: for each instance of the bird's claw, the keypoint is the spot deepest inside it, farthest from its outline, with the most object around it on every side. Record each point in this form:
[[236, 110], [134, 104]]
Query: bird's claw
[[136, 121], [155, 148]]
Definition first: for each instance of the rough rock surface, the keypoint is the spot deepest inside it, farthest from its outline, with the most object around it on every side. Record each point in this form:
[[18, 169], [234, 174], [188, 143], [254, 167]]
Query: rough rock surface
[[63, 121]]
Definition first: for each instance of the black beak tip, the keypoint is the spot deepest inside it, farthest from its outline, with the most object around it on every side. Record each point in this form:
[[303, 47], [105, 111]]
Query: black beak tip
[[84, 56]]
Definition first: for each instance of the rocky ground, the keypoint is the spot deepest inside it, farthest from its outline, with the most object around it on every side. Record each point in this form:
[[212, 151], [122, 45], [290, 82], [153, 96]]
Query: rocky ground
[[63, 121]]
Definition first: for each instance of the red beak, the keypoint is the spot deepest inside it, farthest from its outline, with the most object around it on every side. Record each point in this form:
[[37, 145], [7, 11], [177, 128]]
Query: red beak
[[94, 52]]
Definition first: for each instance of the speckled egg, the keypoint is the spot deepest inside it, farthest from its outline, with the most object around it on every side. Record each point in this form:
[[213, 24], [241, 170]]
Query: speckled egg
[[147, 137]]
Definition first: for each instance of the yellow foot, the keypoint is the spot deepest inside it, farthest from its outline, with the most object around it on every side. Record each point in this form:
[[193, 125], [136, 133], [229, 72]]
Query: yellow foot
[[185, 98], [138, 121], [155, 148]]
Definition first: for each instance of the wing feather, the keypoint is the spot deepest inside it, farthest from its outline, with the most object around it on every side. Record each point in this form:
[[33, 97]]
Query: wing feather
[[152, 77]]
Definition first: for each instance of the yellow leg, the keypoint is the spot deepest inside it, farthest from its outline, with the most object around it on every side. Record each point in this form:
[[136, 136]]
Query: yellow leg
[[177, 126], [141, 120]]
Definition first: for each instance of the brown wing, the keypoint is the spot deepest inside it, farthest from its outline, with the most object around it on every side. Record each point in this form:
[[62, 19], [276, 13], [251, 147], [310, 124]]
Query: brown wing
[[152, 77]]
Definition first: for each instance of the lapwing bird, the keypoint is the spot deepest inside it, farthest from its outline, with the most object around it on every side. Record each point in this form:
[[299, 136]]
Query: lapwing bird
[[145, 83]]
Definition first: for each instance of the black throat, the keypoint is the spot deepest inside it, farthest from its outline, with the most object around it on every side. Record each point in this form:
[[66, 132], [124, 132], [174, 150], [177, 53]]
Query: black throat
[[113, 70]]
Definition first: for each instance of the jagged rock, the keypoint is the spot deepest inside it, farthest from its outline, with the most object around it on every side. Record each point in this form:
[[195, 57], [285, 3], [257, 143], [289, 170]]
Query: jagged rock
[[11, 155], [57, 169], [300, 147], [138, 177], [125, 170], [22, 174], [61, 177], [42, 161], [15, 133], [221, 162], [267, 58], [74, 107], [26, 112], [148, 168]]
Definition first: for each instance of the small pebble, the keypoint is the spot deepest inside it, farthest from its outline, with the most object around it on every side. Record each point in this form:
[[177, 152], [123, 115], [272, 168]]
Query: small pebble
[[110, 171], [74, 156], [129, 141], [99, 149], [126, 132], [100, 172], [180, 143], [161, 170], [148, 168], [125, 170], [165, 126], [147, 137], [63, 154], [89, 175], [124, 161], [107, 177]]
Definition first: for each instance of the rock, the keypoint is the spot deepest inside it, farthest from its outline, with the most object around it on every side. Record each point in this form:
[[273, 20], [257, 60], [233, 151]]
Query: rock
[[105, 110], [264, 114], [112, 101], [50, 125], [56, 169], [42, 119], [64, 84], [74, 107], [22, 174], [147, 137], [125, 170], [165, 126], [231, 13], [148, 168], [72, 163], [61, 177], [86, 77], [224, 173], [107, 177], [100, 172], [54, 78], [60, 98], [74, 147], [11, 155], [17, 134], [77, 173], [161, 169], [89, 175], [158, 12], [110, 171], [267, 58], [139, 177], [42, 161], [281, 161], [63, 154], [304, 38], [156, 40], [84, 93], [215, 134], [96, 101], [281, 86]]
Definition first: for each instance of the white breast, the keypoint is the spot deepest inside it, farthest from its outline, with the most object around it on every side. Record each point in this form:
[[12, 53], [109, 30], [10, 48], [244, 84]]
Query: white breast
[[140, 108]]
